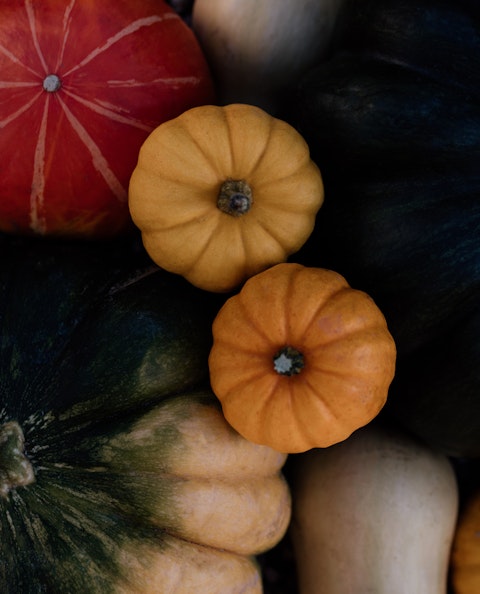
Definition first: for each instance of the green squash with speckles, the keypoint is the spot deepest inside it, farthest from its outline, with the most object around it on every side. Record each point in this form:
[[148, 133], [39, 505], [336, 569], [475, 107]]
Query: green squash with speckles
[[118, 471]]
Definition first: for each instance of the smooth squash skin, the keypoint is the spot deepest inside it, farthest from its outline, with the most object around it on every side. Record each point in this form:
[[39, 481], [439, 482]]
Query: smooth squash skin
[[256, 49], [83, 84], [393, 121], [118, 471], [374, 514]]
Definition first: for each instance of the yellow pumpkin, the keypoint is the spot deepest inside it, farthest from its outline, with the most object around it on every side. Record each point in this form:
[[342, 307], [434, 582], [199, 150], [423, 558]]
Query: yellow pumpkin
[[222, 193], [300, 359]]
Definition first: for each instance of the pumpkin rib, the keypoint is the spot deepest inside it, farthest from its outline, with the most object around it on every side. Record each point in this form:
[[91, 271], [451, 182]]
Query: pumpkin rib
[[231, 386], [266, 142], [243, 299], [206, 506], [232, 343], [320, 425], [332, 301], [284, 401], [179, 261], [203, 263], [274, 233], [309, 431], [178, 216], [180, 225], [269, 403], [220, 173], [347, 391], [303, 169], [299, 294], [246, 317], [171, 163], [261, 167], [155, 570], [362, 358], [254, 260], [233, 405], [319, 400], [231, 143], [351, 333]]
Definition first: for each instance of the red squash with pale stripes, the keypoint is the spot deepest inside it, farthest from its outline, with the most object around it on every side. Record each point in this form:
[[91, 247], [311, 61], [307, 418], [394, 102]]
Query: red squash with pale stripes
[[82, 84]]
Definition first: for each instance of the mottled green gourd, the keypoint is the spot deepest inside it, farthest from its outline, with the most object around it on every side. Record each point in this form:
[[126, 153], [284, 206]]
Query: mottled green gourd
[[118, 472]]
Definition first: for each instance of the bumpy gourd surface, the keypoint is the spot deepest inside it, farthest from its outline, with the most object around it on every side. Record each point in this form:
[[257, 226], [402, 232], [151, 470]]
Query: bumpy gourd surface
[[139, 483]]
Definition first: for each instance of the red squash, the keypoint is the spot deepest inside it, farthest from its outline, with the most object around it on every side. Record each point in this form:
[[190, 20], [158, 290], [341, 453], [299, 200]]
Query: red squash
[[82, 84]]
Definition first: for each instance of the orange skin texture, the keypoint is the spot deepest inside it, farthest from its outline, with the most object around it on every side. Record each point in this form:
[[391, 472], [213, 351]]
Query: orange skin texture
[[465, 558], [349, 358]]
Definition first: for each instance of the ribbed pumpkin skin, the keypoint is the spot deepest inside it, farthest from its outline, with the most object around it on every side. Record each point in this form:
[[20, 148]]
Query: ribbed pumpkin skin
[[348, 358], [181, 170], [140, 484], [124, 67]]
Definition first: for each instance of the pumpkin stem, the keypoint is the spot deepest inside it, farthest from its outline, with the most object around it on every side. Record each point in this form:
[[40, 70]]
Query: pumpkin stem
[[235, 197], [15, 468], [288, 361], [52, 83]]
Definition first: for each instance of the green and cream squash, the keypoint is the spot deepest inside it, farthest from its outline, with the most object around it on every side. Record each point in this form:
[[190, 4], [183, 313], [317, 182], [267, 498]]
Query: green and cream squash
[[118, 472]]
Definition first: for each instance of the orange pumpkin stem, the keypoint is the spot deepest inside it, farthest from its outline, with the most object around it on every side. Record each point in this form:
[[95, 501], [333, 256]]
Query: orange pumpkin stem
[[15, 468], [235, 197], [288, 361]]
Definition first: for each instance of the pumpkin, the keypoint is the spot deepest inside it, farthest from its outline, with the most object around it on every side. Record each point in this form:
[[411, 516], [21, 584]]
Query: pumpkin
[[83, 84], [300, 359], [118, 471], [465, 556], [375, 513], [393, 121], [221, 193], [257, 50]]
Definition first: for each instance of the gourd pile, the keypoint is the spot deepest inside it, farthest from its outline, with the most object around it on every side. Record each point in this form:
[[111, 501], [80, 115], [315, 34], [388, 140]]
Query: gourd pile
[[240, 297]]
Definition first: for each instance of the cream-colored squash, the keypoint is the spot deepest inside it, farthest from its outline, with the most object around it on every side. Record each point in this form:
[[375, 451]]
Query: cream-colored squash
[[256, 48], [374, 514]]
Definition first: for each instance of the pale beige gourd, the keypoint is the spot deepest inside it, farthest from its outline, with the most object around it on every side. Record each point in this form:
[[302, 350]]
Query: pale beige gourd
[[256, 48], [374, 514]]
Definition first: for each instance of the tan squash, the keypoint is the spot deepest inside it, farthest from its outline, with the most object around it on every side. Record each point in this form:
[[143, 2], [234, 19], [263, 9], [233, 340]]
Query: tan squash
[[300, 359], [118, 471], [373, 514], [221, 193]]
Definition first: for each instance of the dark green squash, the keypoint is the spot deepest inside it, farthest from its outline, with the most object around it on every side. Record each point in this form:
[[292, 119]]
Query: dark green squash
[[118, 472], [393, 121]]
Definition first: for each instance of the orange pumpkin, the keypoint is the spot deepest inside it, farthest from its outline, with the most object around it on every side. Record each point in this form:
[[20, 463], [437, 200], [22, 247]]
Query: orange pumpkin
[[221, 193], [465, 558], [300, 359]]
